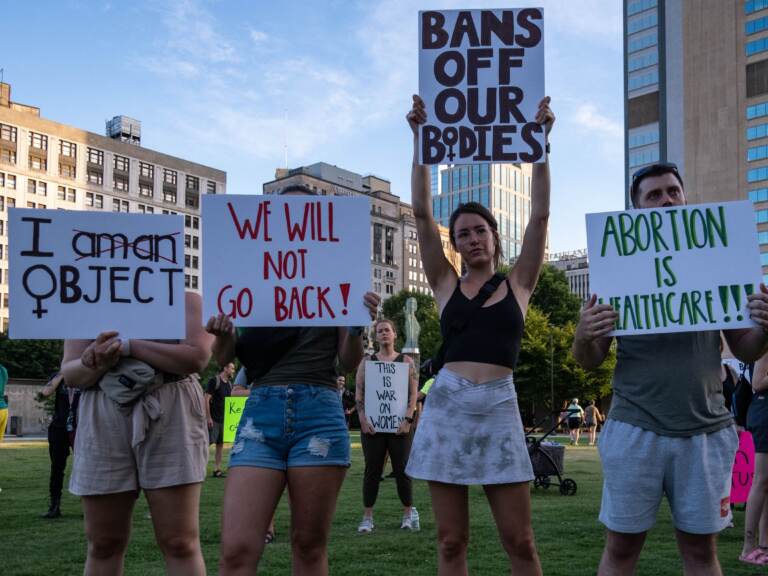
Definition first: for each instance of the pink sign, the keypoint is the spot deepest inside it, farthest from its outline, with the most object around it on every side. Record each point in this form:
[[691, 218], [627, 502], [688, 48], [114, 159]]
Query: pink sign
[[743, 469]]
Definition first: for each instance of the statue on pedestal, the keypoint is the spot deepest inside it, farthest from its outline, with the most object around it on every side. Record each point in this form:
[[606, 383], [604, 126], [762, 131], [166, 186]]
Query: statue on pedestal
[[412, 328]]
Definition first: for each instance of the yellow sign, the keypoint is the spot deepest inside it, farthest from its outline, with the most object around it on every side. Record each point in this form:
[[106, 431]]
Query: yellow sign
[[233, 409]]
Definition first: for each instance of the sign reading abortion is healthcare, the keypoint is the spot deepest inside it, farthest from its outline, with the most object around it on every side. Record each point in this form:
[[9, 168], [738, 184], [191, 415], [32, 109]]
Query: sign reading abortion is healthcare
[[481, 75], [675, 269], [75, 274], [287, 260]]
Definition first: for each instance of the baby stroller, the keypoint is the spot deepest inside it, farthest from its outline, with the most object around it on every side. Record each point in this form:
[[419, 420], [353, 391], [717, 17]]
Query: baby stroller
[[547, 461]]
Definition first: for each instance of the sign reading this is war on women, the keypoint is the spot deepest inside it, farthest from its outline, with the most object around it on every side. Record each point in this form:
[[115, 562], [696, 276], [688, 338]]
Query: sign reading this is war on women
[[75, 274], [233, 411], [286, 260], [675, 269], [386, 394], [481, 76]]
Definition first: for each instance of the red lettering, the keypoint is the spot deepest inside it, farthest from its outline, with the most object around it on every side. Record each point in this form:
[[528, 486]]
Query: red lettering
[[281, 312], [295, 230], [287, 264], [239, 306], [302, 303], [331, 237], [249, 228], [321, 301]]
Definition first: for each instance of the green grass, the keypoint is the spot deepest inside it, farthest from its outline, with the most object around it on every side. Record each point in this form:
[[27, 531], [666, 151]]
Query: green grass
[[569, 537]]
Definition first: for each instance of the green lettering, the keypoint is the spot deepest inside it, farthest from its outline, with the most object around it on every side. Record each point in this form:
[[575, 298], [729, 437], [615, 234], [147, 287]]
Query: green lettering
[[687, 228], [658, 305], [675, 234], [670, 310], [641, 227], [610, 232], [717, 225], [625, 229], [698, 223], [672, 279], [658, 239], [629, 313], [646, 308], [708, 301]]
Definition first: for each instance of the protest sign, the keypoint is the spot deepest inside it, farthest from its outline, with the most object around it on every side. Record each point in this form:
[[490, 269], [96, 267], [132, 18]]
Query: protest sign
[[233, 410], [287, 260], [743, 468], [481, 76], [386, 394], [75, 274], [675, 269]]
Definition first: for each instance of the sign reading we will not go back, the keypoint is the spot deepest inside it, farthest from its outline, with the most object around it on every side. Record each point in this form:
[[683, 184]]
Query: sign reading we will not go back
[[287, 260], [675, 269]]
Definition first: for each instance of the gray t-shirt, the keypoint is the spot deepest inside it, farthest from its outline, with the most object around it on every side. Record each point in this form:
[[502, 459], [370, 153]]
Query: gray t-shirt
[[311, 360], [670, 383]]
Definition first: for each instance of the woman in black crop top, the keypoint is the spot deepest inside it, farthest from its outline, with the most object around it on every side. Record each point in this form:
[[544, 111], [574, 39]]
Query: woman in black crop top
[[484, 443]]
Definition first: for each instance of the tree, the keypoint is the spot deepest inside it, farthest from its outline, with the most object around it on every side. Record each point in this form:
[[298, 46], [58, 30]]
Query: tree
[[545, 353], [553, 297], [30, 358], [427, 316]]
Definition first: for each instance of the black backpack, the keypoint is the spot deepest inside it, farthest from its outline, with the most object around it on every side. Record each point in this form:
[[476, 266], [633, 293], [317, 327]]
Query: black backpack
[[742, 398]]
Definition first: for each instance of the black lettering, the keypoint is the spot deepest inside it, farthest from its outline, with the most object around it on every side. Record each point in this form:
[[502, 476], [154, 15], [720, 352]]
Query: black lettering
[[441, 111], [482, 149], [36, 238], [433, 35], [528, 134], [171, 272], [441, 73], [464, 26], [501, 138], [503, 29], [432, 149], [473, 106], [477, 58], [137, 283], [69, 289], [524, 21], [509, 58], [39, 310], [509, 98], [97, 295], [114, 278]]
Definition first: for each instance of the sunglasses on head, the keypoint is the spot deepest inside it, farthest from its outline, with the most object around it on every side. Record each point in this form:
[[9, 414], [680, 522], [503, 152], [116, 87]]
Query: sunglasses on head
[[652, 170]]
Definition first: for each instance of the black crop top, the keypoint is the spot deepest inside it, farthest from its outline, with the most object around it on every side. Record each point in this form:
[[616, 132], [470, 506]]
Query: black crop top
[[491, 336]]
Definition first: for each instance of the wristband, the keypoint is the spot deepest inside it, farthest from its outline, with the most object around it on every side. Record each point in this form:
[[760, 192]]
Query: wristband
[[125, 348], [409, 419], [355, 330], [547, 148]]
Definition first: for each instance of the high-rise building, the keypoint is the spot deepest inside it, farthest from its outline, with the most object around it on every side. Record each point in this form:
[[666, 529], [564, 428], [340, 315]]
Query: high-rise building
[[505, 189], [696, 94], [575, 265], [395, 258], [45, 164]]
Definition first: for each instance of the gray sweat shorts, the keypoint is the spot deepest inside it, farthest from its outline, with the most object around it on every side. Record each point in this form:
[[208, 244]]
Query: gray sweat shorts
[[640, 467]]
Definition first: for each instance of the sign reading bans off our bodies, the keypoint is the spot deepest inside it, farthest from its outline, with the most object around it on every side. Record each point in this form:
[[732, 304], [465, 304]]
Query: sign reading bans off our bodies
[[675, 269], [286, 260], [481, 76], [386, 394], [76, 274]]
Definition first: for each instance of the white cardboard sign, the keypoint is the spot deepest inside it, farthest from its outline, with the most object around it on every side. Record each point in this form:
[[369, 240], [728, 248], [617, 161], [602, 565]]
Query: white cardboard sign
[[675, 269], [287, 260], [481, 75], [75, 274], [386, 394]]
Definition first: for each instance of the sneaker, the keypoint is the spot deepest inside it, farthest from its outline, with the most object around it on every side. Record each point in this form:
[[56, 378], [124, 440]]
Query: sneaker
[[411, 521], [365, 526]]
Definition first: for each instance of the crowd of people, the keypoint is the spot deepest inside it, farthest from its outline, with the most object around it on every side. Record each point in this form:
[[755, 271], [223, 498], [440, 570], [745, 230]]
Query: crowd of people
[[668, 432]]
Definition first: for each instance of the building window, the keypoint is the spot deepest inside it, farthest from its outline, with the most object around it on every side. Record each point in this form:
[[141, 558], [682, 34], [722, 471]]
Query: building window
[[11, 202], [146, 170], [756, 46], [169, 196], [67, 171], [145, 190], [757, 78], [757, 153], [187, 261], [95, 177], [38, 141], [30, 204], [120, 184], [651, 38], [195, 242], [755, 26], [195, 262], [96, 156], [71, 195], [188, 221], [31, 186], [68, 149], [42, 189], [193, 183], [89, 198], [38, 164], [2, 203], [150, 210], [126, 206], [169, 176], [642, 80], [62, 193], [186, 280], [8, 156], [754, 6], [10, 183], [194, 282], [195, 222], [642, 61], [115, 205], [640, 157], [122, 163], [211, 187], [641, 23], [99, 203], [757, 110], [640, 6], [187, 241], [8, 133], [757, 174]]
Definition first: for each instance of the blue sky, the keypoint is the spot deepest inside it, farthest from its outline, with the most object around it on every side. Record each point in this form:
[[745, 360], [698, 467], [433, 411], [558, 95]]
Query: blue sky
[[227, 82]]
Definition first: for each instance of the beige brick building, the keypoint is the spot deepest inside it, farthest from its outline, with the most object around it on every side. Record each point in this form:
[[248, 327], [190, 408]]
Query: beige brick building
[[46, 164]]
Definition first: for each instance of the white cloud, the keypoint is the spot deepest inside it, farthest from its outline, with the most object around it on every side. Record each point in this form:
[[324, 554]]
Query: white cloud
[[587, 116], [258, 36]]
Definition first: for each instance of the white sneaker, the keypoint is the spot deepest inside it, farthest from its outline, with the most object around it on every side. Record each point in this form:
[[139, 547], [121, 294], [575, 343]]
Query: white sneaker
[[365, 526], [411, 521]]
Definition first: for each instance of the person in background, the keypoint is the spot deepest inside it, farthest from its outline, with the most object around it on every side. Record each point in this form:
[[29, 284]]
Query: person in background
[[592, 418], [61, 436], [347, 398], [756, 516], [575, 420], [219, 387]]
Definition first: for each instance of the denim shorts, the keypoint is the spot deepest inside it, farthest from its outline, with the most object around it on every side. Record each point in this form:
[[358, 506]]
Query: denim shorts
[[291, 426]]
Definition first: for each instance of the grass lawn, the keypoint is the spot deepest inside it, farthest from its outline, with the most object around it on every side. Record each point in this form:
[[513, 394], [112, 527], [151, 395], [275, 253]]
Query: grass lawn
[[569, 538]]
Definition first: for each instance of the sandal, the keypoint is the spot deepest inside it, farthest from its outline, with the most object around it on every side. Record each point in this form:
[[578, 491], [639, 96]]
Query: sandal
[[270, 537], [757, 558], [219, 474]]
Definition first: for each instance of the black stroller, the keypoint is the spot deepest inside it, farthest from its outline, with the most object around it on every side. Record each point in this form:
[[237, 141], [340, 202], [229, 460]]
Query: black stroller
[[547, 461]]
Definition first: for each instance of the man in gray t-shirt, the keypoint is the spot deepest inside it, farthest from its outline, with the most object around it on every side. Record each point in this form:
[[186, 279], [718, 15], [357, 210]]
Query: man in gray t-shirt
[[668, 430]]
